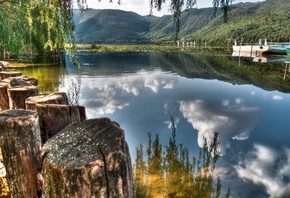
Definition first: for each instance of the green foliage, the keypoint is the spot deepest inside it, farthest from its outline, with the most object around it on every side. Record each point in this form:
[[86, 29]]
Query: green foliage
[[246, 21], [32, 26], [110, 26], [177, 6], [125, 48], [169, 171], [249, 23]]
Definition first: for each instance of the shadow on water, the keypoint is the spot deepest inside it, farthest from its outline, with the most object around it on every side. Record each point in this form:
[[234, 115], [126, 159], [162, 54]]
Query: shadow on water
[[169, 171], [225, 67], [202, 64]]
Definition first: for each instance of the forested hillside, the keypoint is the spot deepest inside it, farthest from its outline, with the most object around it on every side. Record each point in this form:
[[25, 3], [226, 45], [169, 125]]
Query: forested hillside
[[247, 22], [110, 26]]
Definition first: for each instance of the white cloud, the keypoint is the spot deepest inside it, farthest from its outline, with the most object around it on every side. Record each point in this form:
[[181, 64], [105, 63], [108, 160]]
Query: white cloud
[[268, 167], [229, 123], [277, 97], [142, 6]]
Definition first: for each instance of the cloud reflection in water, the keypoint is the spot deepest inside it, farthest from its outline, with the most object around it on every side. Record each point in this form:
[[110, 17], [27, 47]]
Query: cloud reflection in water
[[106, 96], [231, 123], [268, 167]]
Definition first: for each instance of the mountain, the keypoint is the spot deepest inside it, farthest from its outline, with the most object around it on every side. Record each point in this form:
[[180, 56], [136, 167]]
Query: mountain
[[110, 26], [247, 22]]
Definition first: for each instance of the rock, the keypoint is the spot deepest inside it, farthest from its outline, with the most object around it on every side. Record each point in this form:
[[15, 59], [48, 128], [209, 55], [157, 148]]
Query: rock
[[88, 159], [20, 144]]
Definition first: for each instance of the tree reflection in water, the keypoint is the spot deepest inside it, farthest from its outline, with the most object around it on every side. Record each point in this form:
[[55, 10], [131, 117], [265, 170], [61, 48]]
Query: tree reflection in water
[[169, 171]]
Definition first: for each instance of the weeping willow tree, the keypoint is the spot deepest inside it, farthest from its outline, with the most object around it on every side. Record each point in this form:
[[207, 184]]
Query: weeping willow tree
[[36, 26]]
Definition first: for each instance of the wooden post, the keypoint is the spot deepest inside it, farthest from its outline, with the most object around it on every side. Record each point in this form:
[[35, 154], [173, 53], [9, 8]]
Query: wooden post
[[55, 98], [18, 95], [4, 101], [286, 69], [55, 117], [88, 159], [7, 74], [20, 144], [14, 91]]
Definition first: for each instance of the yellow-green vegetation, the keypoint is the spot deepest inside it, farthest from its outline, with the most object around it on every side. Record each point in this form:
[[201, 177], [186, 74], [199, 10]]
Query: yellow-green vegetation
[[48, 25], [124, 48], [170, 172], [129, 48], [4, 189]]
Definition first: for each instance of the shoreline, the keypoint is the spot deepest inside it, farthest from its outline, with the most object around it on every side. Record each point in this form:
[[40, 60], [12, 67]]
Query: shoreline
[[11, 65], [4, 63]]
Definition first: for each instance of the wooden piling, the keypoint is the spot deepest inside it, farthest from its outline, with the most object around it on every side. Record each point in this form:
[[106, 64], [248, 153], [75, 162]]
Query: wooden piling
[[20, 144]]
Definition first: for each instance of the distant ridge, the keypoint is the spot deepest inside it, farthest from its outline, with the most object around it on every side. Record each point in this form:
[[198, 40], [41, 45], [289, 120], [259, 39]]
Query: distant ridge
[[247, 21]]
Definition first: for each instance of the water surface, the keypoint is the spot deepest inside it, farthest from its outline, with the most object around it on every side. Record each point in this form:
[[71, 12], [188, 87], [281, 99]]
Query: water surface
[[246, 102]]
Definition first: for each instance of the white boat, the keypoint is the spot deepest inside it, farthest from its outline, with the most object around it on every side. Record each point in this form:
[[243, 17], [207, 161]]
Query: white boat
[[255, 50]]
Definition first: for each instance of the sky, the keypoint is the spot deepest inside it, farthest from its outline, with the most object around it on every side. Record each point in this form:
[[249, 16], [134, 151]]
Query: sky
[[142, 6]]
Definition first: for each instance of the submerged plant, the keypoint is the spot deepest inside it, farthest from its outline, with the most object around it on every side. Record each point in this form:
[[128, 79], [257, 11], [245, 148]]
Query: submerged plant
[[73, 92], [169, 171]]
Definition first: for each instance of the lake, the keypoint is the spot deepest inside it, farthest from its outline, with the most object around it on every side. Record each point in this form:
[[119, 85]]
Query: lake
[[246, 102]]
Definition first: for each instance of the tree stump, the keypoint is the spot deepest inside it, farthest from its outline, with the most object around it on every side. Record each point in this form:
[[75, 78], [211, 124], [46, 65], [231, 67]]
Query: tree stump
[[17, 96], [54, 117], [22, 81], [7, 74], [88, 159], [4, 101], [55, 98], [20, 88], [20, 144]]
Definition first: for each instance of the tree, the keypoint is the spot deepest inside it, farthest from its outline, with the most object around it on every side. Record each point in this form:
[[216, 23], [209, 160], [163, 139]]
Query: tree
[[173, 173], [36, 26]]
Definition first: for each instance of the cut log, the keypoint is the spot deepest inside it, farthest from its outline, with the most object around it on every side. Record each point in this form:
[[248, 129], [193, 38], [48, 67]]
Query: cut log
[[20, 144], [4, 101], [18, 95], [55, 98], [7, 74], [54, 117], [88, 159], [22, 81], [14, 91]]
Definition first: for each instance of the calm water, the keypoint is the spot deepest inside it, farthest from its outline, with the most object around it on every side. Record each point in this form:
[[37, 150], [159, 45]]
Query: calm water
[[248, 103]]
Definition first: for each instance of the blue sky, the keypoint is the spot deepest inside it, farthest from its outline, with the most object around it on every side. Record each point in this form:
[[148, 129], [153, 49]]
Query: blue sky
[[142, 6]]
